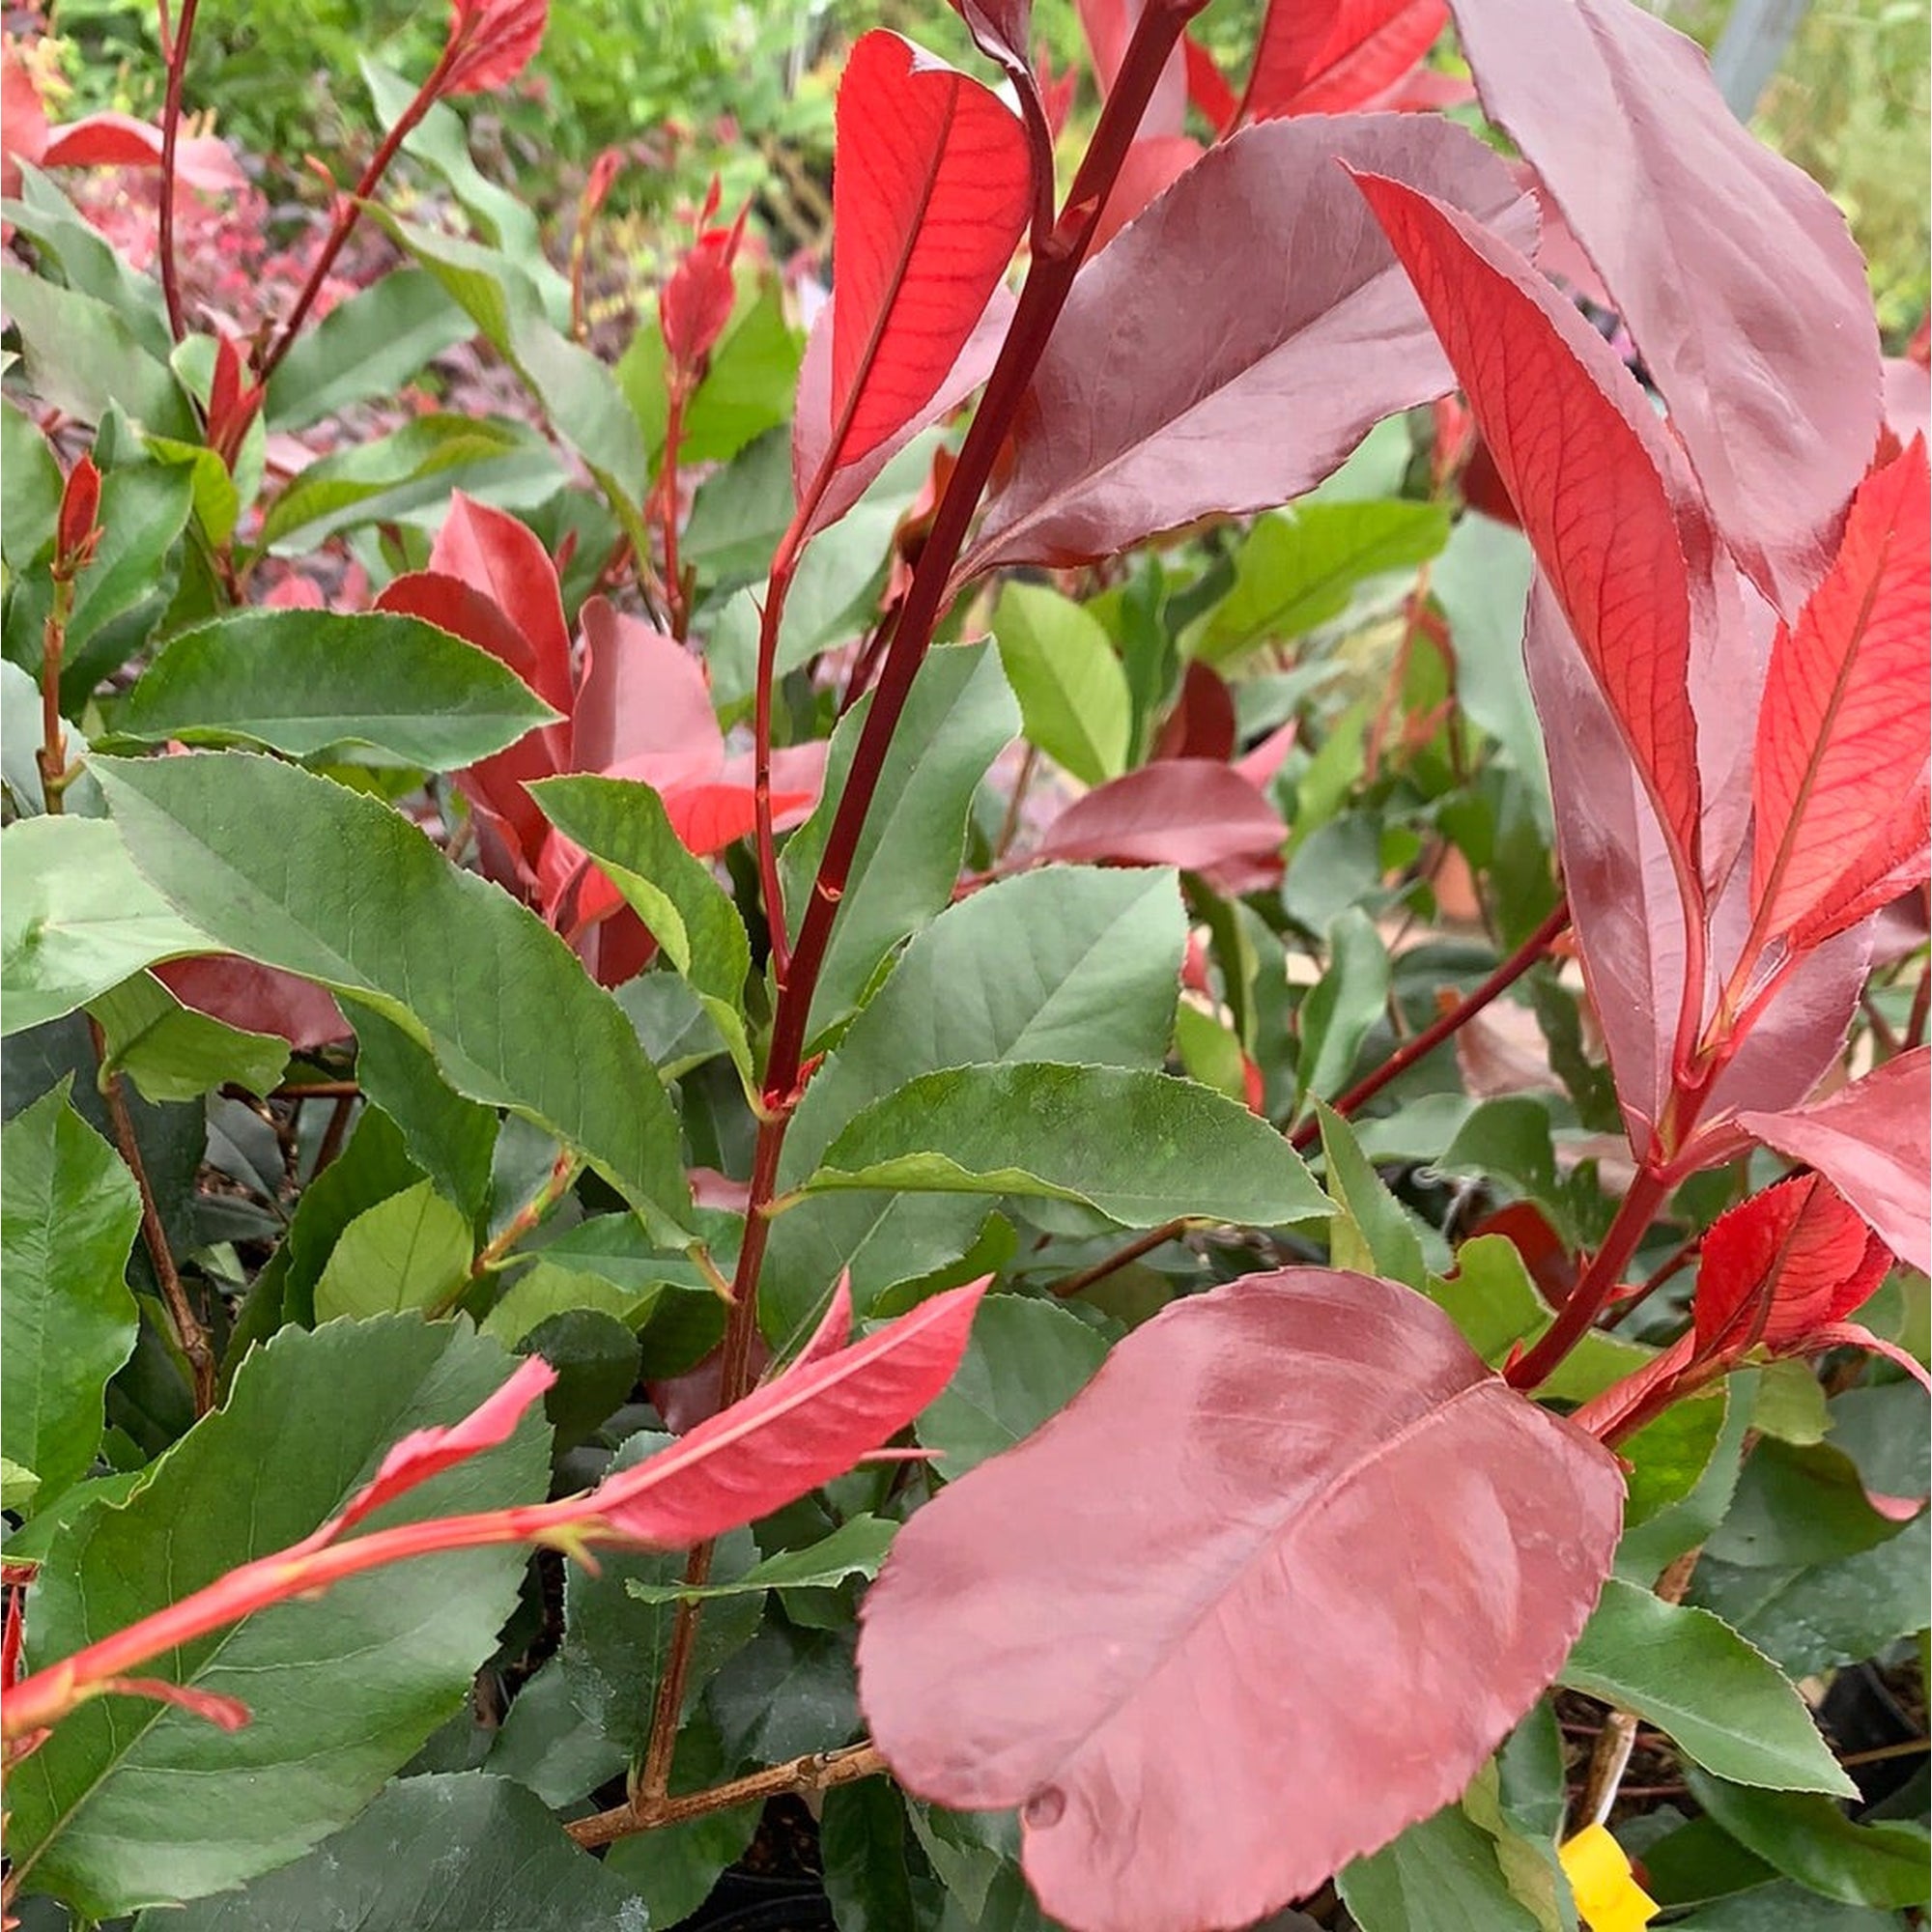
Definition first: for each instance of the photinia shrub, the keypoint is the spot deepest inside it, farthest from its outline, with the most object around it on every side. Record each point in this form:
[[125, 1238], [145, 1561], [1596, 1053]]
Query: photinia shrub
[[1114, 1047]]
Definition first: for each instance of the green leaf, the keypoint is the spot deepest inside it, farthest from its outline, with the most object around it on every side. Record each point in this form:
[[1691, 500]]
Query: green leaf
[[623, 826], [956, 720], [405, 476], [580, 396], [1372, 1229], [1443, 1873], [1074, 695], [1799, 1506], [787, 1692], [84, 358], [1784, 1908], [675, 1867], [1726, 1706], [292, 870], [614, 1645], [863, 1843], [1812, 1840], [67, 1219], [77, 919], [1340, 1008], [305, 681], [30, 488], [1650, 1547], [1025, 1361], [549, 1289], [1666, 1457], [1141, 1148], [1071, 963], [1298, 568], [134, 1803], [409, 1251], [546, 1746], [1489, 1298], [171, 1052], [84, 259], [368, 346], [455, 1853], [16, 1486], [451, 1139], [855, 1548]]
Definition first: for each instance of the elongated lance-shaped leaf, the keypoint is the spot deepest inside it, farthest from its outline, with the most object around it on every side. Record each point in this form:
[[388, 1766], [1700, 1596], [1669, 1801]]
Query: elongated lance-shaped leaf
[[1327, 59], [931, 186], [1233, 392], [300, 681], [1735, 272], [295, 871], [1846, 719], [1179, 1625], [1582, 459]]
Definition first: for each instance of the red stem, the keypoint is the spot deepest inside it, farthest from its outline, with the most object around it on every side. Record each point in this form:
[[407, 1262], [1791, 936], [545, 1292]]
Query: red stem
[[171, 109]]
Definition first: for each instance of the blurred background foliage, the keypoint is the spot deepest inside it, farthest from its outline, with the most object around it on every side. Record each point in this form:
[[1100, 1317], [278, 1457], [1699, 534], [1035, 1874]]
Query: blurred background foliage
[[744, 88]]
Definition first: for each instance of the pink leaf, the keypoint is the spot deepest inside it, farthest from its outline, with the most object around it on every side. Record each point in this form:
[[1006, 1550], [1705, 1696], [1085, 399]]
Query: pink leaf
[[1781, 1265], [1217, 1629], [1572, 441], [1734, 270], [491, 42], [1207, 89], [811, 424], [257, 999], [1231, 393], [424, 1453], [1109, 25], [119, 141], [226, 1713], [1181, 811], [644, 707], [1846, 715], [1328, 59], [785, 1438], [23, 118], [1873, 1141], [931, 186]]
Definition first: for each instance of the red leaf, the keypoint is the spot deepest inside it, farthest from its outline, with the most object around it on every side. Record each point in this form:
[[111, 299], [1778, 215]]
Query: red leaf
[[1847, 714], [1781, 1265], [931, 186], [785, 1438], [1578, 451], [119, 141], [1734, 270], [1231, 393], [489, 550], [424, 1453], [1109, 25], [1202, 724], [1149, 168], [23, 118], [1183, 1624], [643, 708], [695, 304], [1181, 811], [811, 424], [1873, 1141], [491, 42], [257, 999], [1328, 59], [1000, 30], [1207, 89]]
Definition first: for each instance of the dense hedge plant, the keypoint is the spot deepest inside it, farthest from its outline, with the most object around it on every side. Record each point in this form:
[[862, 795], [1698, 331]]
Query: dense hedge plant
[[1114, 1049]]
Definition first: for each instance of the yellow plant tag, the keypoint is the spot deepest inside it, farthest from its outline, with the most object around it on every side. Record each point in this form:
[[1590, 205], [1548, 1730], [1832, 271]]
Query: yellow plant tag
[[1608, 1897]]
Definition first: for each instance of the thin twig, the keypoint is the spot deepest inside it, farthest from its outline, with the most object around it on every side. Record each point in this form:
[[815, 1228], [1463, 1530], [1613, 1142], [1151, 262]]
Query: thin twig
[[337, 1132], [818, 1771], [191, 1337], [1121, 1257], [1009, 826]]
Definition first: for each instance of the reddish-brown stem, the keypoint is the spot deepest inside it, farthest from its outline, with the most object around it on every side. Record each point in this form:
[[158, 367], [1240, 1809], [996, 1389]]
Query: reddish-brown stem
[[667, 1707], [1673, 1263], [796, 969], [52, 754], [348, 208], [1440, 1029], [818, 1771], [1121, 1257], [675, 603], [1022, 781], [337, 1132], [191, 1337], [171, 113]]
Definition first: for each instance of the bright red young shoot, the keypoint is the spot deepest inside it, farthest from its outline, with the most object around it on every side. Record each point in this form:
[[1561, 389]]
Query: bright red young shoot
[[491, 42], [1333, 59]]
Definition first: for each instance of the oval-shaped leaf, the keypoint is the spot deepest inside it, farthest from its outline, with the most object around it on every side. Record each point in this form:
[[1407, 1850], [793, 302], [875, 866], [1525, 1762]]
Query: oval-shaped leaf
[[1142, 1148], [1192, 813], [132, 1802], [67, 1319], [1182, 1623], [296, 872], [931, 186], [1232, 393], [301, 681], [1703, 235], [1074, 695], [1726, 1706]]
